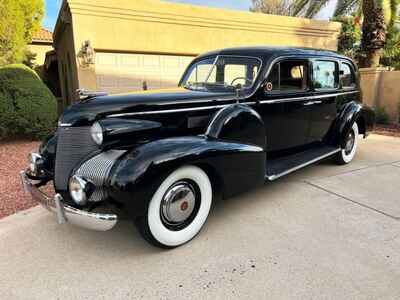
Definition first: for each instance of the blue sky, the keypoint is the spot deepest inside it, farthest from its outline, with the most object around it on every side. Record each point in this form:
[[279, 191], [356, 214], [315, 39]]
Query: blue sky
[[53, 6]]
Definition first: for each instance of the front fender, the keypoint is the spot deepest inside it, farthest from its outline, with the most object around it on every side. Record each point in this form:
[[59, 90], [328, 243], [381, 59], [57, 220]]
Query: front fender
[[138, 174], [239, 123]]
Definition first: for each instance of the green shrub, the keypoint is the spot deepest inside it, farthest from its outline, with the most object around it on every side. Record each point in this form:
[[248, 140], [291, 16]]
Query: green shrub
[[381, 116], [27, 107]]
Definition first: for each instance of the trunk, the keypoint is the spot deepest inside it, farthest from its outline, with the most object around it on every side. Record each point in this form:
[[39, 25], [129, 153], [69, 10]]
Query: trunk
[[373, 58], [373, 33]]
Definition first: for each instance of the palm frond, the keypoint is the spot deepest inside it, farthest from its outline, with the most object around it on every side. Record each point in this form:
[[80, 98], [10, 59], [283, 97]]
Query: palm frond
[[394, 7], [298, 7], [345, 7], [314, 7]]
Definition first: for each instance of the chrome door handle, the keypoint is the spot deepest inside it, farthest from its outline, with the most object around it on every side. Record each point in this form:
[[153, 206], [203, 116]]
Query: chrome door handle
[[308, 103], [317, 102]]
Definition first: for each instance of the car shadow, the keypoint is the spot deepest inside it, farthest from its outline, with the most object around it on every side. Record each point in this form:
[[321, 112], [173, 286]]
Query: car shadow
[[125, 240]]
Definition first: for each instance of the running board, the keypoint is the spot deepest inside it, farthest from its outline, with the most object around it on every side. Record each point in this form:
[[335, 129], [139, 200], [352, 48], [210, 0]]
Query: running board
[[280, 167]]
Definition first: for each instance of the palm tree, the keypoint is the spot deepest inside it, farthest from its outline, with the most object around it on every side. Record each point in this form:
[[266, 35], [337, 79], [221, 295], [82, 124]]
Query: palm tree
[[379, 16], [295, 8]]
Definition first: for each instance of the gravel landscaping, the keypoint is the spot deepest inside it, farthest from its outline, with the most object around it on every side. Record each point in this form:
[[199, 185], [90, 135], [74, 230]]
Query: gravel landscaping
[[389, 130], [13, 157]]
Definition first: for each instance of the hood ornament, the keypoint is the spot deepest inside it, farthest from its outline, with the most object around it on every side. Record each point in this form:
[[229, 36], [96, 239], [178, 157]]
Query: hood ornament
[[85, 94]]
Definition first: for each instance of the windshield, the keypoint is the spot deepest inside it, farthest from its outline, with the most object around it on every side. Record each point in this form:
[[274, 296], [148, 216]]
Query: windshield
[[222, 73]]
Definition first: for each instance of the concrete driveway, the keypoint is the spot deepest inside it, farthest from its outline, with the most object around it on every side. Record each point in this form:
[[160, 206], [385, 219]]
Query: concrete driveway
[[325, 232]]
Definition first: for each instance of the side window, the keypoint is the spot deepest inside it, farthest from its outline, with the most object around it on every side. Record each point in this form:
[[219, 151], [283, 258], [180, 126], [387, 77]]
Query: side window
[[324, 74], [347, 77], [288, 75]]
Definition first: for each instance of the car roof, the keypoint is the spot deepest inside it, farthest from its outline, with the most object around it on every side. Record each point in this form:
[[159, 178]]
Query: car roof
[[265, 51]]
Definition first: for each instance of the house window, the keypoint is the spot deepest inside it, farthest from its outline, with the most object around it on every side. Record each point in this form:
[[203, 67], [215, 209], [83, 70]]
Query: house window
[[347, 77], [324, 74], [288, 75]]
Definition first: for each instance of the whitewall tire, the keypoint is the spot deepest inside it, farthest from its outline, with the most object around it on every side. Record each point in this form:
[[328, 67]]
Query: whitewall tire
[[347, 154], [178, 209]]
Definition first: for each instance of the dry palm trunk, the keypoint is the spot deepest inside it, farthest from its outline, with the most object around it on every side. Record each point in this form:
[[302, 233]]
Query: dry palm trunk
[[373, 32]]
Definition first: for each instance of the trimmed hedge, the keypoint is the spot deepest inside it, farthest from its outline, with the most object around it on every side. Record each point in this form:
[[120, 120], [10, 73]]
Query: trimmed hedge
[[27, 106]]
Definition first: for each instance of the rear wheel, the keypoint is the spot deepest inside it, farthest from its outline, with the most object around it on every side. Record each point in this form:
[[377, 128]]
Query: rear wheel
[[178, 209], [347, 154]]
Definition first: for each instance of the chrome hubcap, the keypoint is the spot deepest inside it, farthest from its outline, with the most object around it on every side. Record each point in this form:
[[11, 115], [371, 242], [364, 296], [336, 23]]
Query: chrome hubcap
[[178, 203], [350, 142]]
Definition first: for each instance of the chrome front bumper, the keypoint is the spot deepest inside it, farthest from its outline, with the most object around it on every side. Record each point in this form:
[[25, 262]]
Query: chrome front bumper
[[66, 213]]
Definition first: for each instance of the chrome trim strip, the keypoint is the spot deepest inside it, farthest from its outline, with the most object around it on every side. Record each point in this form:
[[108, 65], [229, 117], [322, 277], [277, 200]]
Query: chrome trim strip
[[306, 98], [66, 213], [225, 97], [224, 105], [167, 111], [276, 176]]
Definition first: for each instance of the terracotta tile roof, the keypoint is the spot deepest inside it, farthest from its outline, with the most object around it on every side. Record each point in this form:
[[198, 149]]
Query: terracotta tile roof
[[43, 35]]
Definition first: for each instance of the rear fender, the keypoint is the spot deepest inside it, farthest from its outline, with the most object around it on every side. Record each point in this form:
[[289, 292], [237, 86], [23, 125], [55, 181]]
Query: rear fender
[[137, 175], [350, 113]]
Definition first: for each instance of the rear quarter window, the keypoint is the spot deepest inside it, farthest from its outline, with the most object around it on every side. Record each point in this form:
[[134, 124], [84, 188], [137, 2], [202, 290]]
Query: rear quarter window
[[347, 76]]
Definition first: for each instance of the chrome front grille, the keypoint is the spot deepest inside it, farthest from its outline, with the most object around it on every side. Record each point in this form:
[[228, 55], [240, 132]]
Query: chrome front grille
[[97, 170], [73, 144]]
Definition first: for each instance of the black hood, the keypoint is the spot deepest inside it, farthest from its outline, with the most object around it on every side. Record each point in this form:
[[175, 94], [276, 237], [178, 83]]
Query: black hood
[[86, 112]]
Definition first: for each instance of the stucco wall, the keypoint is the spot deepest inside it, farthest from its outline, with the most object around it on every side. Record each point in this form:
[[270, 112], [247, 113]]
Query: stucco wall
[[165, 28], [155, 26], [381, 88], [152, 26], [40, 51]]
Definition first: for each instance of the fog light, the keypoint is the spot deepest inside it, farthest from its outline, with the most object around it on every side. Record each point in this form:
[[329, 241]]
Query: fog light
[[80, 189], [34, 161]]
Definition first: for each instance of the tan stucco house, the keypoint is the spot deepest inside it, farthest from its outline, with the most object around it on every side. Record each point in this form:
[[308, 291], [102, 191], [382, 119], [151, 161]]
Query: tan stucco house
[[118, 46], [42, 42]]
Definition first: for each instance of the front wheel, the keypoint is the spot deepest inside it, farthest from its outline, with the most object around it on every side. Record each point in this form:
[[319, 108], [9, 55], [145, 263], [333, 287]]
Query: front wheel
[[347, 154], [179, 208]]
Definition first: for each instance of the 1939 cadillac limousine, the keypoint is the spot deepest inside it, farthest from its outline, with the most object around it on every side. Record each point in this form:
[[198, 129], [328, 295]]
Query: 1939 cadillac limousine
[[239, 117]]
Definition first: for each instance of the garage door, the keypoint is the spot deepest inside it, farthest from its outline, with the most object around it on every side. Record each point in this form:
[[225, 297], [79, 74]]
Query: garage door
[[117, 72]]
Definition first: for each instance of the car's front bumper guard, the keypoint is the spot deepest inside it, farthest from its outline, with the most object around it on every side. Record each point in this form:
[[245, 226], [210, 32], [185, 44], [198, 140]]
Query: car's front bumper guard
[[66, 213]]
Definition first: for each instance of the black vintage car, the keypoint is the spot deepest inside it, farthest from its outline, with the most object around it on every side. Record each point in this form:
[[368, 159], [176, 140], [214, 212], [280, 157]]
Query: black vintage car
[[239, 117]]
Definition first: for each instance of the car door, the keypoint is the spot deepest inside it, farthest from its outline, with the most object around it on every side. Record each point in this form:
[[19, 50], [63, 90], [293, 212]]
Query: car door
[[284, 105], [325, 82]]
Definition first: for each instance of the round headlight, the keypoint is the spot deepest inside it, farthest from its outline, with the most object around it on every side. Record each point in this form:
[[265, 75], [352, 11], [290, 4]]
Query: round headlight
[[78, 189], [97, 133]]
